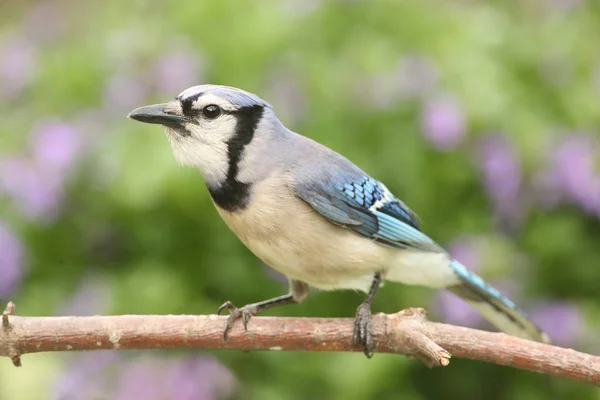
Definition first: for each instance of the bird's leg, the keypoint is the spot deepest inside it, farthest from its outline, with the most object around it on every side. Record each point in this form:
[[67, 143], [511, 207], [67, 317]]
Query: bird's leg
[[362, 321], [250, 310], [298, 291]]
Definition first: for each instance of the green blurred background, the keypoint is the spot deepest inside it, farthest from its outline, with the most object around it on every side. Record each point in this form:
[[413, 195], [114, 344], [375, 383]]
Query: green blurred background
[[481, 115]]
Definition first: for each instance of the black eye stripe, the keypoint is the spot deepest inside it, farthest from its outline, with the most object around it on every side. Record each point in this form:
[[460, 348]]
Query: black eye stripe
[[188, 111], [186, 107]]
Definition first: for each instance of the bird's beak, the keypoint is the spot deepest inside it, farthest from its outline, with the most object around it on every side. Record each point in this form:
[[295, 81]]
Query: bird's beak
[[155, 114]]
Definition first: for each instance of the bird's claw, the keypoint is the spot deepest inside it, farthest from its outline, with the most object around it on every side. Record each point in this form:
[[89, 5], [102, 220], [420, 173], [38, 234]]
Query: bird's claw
[[362, 329], [245, 313]]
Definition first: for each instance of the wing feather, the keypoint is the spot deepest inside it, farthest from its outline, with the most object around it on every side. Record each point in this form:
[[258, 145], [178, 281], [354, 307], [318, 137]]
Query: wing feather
[[367, 207]]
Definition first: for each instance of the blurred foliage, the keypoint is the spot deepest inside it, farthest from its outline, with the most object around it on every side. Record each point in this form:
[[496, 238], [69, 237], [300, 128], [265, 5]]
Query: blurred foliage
[[482, 116]]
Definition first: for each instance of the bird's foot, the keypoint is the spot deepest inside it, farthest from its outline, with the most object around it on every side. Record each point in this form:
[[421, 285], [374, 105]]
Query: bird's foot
[[362, 329], [245, 313]]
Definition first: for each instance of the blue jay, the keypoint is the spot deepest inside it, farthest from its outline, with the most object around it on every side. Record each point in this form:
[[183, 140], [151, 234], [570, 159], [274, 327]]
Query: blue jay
[[309, 212]]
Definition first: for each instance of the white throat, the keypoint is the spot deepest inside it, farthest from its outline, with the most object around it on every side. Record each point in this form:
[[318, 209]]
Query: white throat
[[211, 160]]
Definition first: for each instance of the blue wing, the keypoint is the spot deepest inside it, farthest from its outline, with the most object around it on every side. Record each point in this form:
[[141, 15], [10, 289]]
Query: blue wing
[[370, 209]]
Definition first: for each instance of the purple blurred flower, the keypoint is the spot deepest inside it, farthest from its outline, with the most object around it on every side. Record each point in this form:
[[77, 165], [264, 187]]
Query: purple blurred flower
[[36, 191], [284, 91], [502, 177], [200, 377], [55, 145], [195, 378], [17, 65], [123, 92], [110, 375], [415, 76], [177, 70], [143, 379], [466, 253], [45, 22], [443, 123], [87, 376], [562, 321], [36, 185], [455, 310], [573, 172], [11, 260]]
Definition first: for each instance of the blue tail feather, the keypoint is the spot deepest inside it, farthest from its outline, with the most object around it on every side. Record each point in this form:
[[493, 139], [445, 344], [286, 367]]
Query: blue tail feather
[[496, 308]]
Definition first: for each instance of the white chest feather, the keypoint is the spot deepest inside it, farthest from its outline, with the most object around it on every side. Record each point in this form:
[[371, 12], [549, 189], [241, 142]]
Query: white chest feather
[[291, 237], [288, 235]]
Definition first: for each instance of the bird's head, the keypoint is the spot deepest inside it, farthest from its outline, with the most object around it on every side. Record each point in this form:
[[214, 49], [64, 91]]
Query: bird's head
[[210, 127]]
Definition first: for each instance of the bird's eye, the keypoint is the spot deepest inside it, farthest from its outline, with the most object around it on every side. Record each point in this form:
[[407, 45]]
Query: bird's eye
[[211, 111]]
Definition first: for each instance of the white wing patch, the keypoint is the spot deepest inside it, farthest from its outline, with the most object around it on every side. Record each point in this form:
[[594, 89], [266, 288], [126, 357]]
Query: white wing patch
[[388, 197]]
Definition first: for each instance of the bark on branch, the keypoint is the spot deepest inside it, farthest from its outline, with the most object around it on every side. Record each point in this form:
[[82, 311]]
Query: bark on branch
[[406, 332]]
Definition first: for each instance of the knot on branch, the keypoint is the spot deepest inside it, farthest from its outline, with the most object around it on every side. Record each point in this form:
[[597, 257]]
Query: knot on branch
[[10, 351], [7, 311], [407, 331]]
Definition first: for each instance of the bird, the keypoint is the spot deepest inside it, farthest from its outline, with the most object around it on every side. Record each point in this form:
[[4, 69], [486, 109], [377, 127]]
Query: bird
[[310, 213]]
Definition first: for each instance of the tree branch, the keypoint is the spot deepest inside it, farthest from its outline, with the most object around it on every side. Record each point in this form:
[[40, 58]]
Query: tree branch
[[406, 332]]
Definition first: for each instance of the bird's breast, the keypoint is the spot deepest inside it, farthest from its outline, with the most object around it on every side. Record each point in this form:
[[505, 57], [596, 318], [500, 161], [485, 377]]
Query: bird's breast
[[288, 235]]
